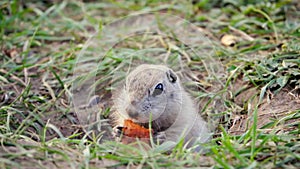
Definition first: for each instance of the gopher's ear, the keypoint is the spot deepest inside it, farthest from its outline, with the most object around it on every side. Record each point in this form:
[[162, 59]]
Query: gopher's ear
[[171, 76]]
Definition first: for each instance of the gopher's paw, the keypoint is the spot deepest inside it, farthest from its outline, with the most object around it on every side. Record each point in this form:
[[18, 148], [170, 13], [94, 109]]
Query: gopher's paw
[[160, 137], [117, 131]]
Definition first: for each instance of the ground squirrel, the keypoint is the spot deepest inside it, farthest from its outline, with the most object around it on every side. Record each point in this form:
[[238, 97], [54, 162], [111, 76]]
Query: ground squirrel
[[155, 91]]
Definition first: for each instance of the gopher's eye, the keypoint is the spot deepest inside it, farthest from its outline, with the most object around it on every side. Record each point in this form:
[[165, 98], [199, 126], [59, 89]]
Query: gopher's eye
[[159, 88]]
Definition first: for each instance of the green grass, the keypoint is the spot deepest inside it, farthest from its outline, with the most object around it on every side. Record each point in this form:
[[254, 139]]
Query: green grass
[[40, 46]]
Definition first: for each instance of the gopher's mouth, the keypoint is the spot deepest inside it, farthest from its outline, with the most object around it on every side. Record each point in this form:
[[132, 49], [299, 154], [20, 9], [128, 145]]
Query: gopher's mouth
[[156, 125]]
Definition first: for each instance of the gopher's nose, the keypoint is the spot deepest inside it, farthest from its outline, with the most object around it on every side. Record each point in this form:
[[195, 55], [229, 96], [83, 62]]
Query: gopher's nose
[[131, 111]]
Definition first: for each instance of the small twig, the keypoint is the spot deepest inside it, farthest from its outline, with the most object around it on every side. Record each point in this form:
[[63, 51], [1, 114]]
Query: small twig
[[26, 75], [242, 33], [49, 88]]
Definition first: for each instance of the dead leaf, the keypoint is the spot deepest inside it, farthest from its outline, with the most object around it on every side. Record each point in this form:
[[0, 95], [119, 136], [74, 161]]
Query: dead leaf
[[13, 53]]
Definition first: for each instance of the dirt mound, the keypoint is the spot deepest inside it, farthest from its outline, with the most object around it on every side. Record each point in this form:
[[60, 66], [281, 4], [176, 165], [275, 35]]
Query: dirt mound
[[276, 111]]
